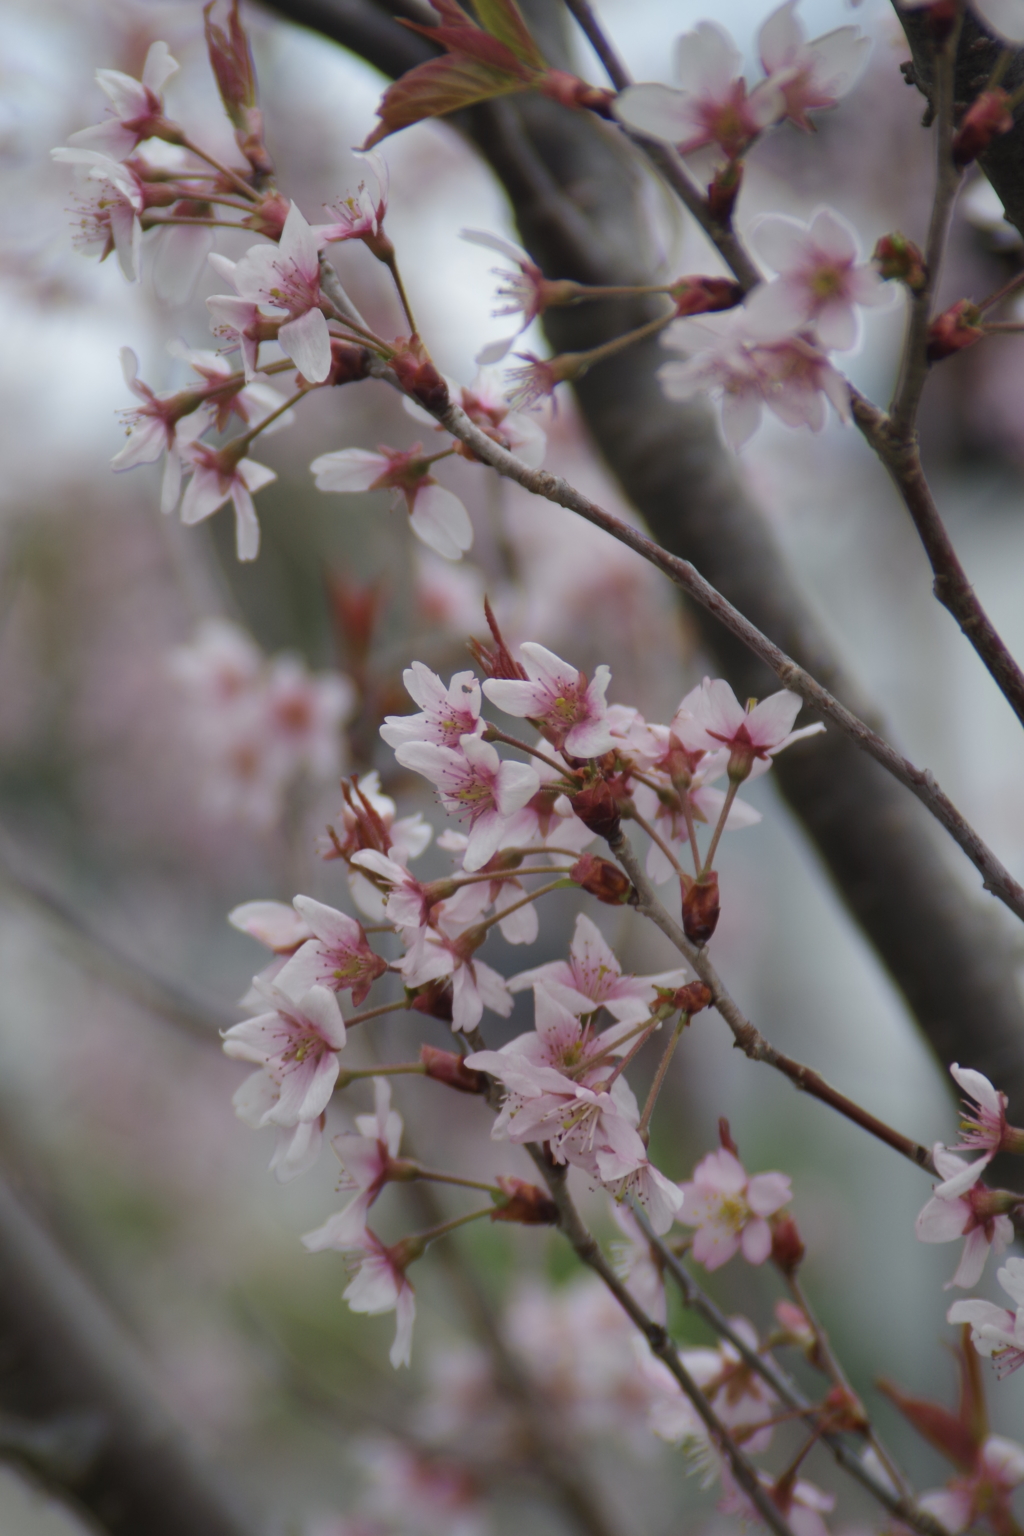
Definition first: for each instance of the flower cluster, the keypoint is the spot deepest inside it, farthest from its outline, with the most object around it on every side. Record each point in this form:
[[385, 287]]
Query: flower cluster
[[260, 727]]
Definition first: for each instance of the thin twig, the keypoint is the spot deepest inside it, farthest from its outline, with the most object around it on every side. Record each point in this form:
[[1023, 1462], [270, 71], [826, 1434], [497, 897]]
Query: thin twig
[[746, 1035], [591, 28]]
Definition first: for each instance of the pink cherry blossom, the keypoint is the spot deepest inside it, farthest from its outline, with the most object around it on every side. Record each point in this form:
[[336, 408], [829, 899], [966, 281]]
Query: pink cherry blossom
[[985, 1493], [739, 1396], [242, 324], [729, 1208], [378, 1285], [995, 1331], [659, 1197], [436, 953], [297, 1147], [751, 735], [437, 517], [249, 403], [337, 956], [960, 1207], [287, 277], [792, 377], [218, 475], [570, 711], [274, 924], [408, 900], [663, 807], [162, 424], [593, 978], [711, 105], [360, 216], [446, 714], [138, 106], [110, 218], [522, 289], [365, 1159], [820, 283], [984, 1129], [559, 1039], [590, 1127], [297, 1044], [814, 74], [474, 782]]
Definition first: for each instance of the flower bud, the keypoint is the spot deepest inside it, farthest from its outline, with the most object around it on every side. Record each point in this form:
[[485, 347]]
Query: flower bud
[[787, 1245], [447, 1067], [498, 662], [571, 91], [702, 295], [603, 879], [524, 1203], [899, 259], [988, 116], [793, 1320], [269, 216], [700, 907], [689, 999], [956, 328], [598, 809], [417, 375], [433, 998], [844, 1411]]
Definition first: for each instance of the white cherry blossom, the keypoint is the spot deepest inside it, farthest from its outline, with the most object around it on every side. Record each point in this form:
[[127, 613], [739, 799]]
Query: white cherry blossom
[[138, 105], [820, 283], [474, 782], [813, 74]]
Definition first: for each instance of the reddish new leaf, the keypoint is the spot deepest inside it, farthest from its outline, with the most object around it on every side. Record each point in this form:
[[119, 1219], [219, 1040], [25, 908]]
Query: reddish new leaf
[[503, 20], [438, 87], [937, 1425]]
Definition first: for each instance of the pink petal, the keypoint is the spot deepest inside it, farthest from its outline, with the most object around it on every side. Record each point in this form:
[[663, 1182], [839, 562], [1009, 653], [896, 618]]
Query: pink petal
[[756, 1241], [440, 521], [349, 469], [307, 342]]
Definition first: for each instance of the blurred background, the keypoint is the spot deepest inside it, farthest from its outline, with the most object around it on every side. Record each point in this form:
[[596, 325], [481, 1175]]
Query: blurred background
[[128, 828]]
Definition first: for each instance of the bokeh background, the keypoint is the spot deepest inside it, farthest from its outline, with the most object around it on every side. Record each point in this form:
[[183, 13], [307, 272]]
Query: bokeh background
[[120, 854]]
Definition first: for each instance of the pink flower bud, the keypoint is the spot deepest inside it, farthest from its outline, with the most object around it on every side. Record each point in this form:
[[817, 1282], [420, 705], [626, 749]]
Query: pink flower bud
[[417, 375], [988, 116], [953, 330], [524, 1203], [899, 259], [701, 295], [602, 879], [448, 1067]]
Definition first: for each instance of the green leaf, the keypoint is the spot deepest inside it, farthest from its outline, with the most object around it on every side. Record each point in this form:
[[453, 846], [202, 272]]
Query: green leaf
[[438, 87]]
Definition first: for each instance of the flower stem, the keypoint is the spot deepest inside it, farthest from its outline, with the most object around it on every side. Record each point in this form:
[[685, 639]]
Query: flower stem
[[375, 1013], [723, 817], [353, 1074], [481, 928], [645, 826], [445, 1227], [225, 170], [659, 1076], [436, 1177], [391, 263], [637, 1046], [492, 733]]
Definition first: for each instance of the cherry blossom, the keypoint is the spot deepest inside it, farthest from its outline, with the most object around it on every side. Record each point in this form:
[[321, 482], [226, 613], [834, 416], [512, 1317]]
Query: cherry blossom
[[297, 1147], [162, 424], [752, 735], [739, 1396], [792, 377], [365, 1158], [995, 1331], [820, 283], [523, 289], [249, 403], [711, 105], [242, 324], [273, 923], [813, 74], [297, 1045], [287, 278], [138, 107], [961, 1208], [985, 1128], [337, 956], [659, 1197], [593, 978], [446, 714], [569, 711], [378, 1285], [985, 1493], [558, 1038], [664, 808], [485, 404], [110, 219], [474, 782], [219, 475], [436, 516], [436, 953], [360, 216], [729, 1208]]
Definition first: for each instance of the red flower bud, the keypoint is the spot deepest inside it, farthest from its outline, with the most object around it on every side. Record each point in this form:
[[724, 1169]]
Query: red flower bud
[[725, 1137], [269, 217], [417, 375], [433, 998], [701, 295], [953, 330], [498, 662], [603, 879], [986, 118], [844, 1411], [700, 907], [447, 1067], [689, 999], [571, 91], [787, 1245], [598, 809], [899, 259], [524, 1203]]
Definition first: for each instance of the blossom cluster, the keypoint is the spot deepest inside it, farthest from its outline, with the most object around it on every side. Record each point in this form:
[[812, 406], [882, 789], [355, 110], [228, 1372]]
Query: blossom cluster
[[260, 728]]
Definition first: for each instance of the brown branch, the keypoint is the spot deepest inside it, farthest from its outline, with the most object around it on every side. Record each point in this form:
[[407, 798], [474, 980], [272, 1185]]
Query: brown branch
[[587, 1249], [103, 1440], [900, 454]]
